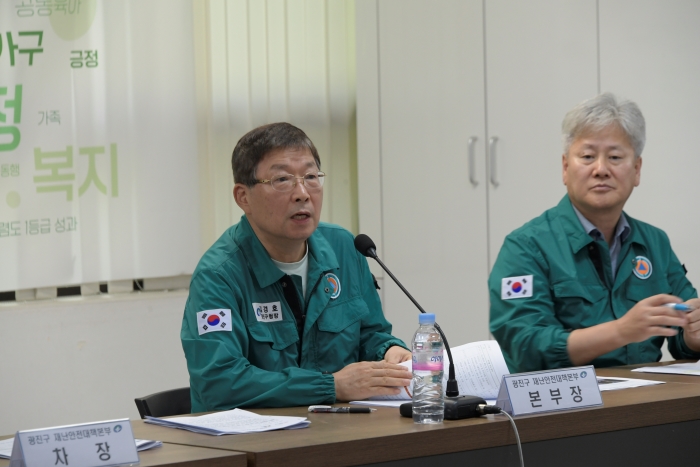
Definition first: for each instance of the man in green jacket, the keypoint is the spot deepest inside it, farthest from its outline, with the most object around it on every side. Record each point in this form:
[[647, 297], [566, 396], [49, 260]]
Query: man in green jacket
[[282, 309], [584, 283]]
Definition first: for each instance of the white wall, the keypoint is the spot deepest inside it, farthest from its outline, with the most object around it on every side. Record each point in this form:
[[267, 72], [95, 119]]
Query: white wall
[[74, 360]]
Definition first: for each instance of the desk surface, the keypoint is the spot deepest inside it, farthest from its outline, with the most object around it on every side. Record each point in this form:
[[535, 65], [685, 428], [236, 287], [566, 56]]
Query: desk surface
[[634, 426], [384, 436], [191, 456]]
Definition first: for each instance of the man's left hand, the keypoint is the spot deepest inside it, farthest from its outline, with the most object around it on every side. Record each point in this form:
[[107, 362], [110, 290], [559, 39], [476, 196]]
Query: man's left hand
[[396, 354], [691, 331]]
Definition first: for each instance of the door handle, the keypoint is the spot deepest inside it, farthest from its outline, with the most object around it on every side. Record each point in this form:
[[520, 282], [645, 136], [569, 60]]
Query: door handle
[[492, 160], [471, 145]]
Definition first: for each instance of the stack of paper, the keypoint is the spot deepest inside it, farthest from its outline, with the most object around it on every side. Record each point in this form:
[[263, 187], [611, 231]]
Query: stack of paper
[[231, 422], [692, 369], [146, 444], [607, 383]]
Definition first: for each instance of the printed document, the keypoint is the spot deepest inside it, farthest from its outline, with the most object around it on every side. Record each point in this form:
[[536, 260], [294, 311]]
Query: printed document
[[692, 369], [607, 383], [479, 369], [231, 422]]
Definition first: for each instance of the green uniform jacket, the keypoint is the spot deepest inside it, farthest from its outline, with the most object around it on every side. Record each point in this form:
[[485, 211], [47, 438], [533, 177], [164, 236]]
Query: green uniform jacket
[[568, 294], [256, 362]]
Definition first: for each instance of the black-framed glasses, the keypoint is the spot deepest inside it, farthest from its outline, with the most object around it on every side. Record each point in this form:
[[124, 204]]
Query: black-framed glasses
[[286, 182]]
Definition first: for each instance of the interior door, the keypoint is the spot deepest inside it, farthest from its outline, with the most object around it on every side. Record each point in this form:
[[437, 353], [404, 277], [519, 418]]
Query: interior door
[[541, 60], [433, 194]]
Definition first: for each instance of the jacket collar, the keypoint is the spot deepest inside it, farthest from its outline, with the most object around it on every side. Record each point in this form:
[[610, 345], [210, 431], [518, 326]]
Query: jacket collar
[[576, 233], [321, 255]]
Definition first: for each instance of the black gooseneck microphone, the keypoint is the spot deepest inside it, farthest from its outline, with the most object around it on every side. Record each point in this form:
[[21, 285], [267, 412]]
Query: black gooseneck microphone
[[456, 406], [366, 246]]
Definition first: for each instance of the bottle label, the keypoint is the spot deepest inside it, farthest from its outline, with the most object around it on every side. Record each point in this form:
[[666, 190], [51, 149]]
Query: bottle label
[[435, 363]]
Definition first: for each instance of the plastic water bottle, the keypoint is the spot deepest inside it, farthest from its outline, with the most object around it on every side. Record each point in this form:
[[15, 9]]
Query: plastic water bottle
[[428, 396]]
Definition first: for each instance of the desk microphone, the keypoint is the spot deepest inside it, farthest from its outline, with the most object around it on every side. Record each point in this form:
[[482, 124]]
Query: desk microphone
[[456, 406]]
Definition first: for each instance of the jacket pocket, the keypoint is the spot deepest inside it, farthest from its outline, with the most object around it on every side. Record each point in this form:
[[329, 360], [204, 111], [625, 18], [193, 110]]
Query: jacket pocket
[[339, 317], [279, 335], [575, 290], [639, 290], [340, 334], [579, 305]]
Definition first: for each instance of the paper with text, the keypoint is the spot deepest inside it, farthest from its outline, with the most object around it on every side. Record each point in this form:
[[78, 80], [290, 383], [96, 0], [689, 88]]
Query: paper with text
[[692, 369], [479, 368], [231, 422]]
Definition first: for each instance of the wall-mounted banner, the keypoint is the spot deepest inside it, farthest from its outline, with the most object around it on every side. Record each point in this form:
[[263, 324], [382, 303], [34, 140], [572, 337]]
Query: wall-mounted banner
[[98, 162]]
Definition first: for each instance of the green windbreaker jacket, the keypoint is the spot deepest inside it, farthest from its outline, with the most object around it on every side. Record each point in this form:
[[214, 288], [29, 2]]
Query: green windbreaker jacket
[[567, 292], [258, 358]]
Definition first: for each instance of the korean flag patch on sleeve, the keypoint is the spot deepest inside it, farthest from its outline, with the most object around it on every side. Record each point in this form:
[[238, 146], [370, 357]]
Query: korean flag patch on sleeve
[[213, 320], [516, 287]]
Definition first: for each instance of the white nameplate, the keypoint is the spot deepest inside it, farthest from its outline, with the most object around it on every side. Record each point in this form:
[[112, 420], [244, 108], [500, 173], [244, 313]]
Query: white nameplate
[[94, 444], [549, 391]]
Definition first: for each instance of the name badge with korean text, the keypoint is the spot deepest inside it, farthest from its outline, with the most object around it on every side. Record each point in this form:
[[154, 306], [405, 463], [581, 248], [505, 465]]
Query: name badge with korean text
[[549, 391], [104, 444], [268, 312]]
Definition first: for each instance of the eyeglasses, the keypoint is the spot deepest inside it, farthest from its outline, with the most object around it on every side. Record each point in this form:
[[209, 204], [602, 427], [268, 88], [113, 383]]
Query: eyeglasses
[[287, 182]]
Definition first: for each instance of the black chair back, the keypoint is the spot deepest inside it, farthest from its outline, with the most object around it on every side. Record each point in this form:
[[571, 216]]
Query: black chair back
[[165, 403]]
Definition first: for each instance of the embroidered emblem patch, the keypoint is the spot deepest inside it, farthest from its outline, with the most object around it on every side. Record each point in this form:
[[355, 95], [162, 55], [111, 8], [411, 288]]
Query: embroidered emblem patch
[[516, 287], [334, 284], [268, 312], [641, 267], [213, 320]]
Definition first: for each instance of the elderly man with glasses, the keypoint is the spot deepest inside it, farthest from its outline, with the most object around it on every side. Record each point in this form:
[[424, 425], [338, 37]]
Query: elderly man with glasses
[[282, 310]]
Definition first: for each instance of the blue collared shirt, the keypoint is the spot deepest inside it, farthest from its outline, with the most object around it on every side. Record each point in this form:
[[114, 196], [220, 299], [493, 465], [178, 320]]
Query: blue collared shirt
[[622, 231]]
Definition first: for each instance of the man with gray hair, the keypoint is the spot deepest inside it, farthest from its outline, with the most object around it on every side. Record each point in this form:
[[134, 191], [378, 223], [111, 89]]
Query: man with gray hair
[[584, 283]]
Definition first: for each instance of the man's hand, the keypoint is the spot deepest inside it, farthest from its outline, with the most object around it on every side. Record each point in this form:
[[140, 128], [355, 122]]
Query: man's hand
[[650, 318], [397, 354], [646, 319], [691, 331], [366, 379]]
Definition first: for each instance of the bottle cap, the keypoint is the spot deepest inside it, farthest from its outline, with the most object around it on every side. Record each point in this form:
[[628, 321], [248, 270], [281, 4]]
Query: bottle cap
[[426, 318]]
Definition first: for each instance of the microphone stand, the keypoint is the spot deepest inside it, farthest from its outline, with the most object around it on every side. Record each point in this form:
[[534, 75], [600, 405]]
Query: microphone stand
[[452, 389], [456, 407]]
